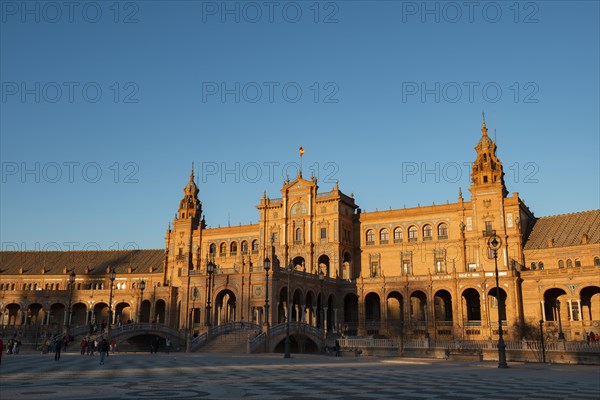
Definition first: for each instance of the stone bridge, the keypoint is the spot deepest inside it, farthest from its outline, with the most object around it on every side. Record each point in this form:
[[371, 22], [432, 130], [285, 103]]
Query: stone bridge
[[128, 331]]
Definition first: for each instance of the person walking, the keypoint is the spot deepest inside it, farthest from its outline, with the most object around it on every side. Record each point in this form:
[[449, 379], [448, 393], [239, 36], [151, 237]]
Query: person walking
[[103, 347], [1, 349], [57, 348]]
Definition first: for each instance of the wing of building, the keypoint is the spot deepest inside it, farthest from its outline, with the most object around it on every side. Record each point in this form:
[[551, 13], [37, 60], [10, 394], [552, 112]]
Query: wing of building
[[454, 270]]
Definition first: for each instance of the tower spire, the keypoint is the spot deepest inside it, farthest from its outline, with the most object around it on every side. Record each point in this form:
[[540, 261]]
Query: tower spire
[[483, 127]]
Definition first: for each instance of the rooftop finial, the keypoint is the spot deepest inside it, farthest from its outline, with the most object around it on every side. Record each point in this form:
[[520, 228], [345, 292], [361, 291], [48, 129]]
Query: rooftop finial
[[483, 127], [192, 172]]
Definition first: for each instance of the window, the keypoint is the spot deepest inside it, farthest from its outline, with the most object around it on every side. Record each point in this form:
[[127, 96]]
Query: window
[[223, 249], [255, 246], [412, 234], [561, 264], [233, 248], [443, 231], [577, 263], [398, 235], [488, 228], [370, 237], [472, 267], [533, 266], [324, 233], [384, 236], [439, 260], [406, 263], [375, 271], [541, 265], [427, 232], [569, 263], [469, 223], [596, 260], [298, 236], [212, 249], [244, 247]]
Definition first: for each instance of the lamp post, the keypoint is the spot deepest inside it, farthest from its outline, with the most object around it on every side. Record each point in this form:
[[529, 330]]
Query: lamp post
[[71, 284], [142, 287], [561, 335], [289, 312], [494, 243], [267, 267], [112, 276], [321, 280], [210, 268], [542, 340]]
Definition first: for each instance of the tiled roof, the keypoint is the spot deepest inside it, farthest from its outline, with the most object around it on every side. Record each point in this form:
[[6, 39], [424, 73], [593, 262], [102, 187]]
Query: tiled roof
[[84, 262], [564, 230]]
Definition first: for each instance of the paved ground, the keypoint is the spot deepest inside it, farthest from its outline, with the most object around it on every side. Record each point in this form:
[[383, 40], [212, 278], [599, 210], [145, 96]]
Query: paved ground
[[269, 376]]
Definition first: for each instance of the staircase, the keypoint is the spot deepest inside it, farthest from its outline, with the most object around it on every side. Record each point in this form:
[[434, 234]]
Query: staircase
[[232, 342]]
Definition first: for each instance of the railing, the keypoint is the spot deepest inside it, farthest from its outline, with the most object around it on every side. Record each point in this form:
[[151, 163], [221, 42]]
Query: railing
[[258, 342], [144, 327], [375, 343], [294, 328]]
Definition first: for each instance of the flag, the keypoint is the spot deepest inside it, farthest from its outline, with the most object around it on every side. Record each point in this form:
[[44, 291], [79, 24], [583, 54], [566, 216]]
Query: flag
[[301, 151]]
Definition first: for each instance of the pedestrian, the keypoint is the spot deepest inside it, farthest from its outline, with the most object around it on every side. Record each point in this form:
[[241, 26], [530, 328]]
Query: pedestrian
[[103, 348], [83, 345], [1, 349], [113, 346], [57, 348], [168, 345]]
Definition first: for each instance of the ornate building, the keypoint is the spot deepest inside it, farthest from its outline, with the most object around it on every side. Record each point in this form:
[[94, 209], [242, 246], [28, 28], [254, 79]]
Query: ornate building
[[411, 272]]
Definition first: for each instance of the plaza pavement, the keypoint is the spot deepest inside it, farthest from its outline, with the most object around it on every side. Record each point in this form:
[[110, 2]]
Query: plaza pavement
[[269, 376]]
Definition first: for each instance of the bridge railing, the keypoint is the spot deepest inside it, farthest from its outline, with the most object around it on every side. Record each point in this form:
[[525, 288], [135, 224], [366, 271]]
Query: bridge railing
[[295, 327], [257, 343], [147, 327]]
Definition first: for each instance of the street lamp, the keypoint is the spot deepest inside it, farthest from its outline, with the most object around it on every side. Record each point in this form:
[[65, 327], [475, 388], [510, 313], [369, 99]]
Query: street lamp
[[267, 267], [191, 320], [210, 268], [321, 280], [289, 312], [142, 287], [112, 276], [71, 284], [542, 340], [494, 243], [561, 335]]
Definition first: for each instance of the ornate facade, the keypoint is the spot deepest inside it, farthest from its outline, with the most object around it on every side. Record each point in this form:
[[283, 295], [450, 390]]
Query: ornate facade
[[411, 272]]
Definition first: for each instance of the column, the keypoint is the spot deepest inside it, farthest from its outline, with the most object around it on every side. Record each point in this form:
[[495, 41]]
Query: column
[[325, 319], [314, 310], [302, 313], [579, 308], [570, 310], [543, 312], [335, 320]]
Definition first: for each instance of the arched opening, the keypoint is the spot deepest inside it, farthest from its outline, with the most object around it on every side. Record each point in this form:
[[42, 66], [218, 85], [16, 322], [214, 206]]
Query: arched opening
[[442, 303], [298, 263], [101, 314], [590, 303], [34, 314], [497, 305], [225, 307], [372, 313], [145, 311], [471, 307], [350, 314], [395, 313], [160, 311], [123, 314], [418, 312], [57, 317], [78, 314], [323, 263], [346, 266]]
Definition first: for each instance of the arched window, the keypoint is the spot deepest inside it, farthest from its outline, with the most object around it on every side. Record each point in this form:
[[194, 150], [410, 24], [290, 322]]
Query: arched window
[[596, 260], [384, 236], [255, 246], [569, 263], [427, 232], [412, 234], [212, 249], [577, 263], [244, 247], [443, 231], [233, 248], [533, 266], [561, 264], [541, 265], [370, 237], [397, 235], [298, 236], [223, 249]]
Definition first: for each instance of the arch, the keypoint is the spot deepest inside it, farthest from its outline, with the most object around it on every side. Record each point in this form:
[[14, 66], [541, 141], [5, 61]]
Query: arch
[[398, 234], [569, 263], [144, 311], [372, 312], [395, 312], [427, 232], [442, 230], [471, 305], [100, 313], [212, 249], [225, 307], [57, 316], [298, 262], [233, 248], [12, 314], [298, 208], [255, 246], [370, 236], [78, 314], [347, 266], [244, 247], [160, 311], [223, 249], [412, 233], [442, 305], [577, 262], [298, 235], [350, 314], [596, 261], [590, 303], [418, 305], [561, 264], [35, 314], [323, 263], [384, 236], [124, 313], [497, 304]]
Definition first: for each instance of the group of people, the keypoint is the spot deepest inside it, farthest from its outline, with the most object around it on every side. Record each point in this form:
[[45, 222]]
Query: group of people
[[13, 346], [592, 337], [90, 346]]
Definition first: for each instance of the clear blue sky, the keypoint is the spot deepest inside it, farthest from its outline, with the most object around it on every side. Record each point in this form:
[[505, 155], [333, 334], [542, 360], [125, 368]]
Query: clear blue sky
[[104, 107]]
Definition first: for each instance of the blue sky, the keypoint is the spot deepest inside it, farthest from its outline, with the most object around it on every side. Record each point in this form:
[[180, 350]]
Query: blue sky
[[105, 105]]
